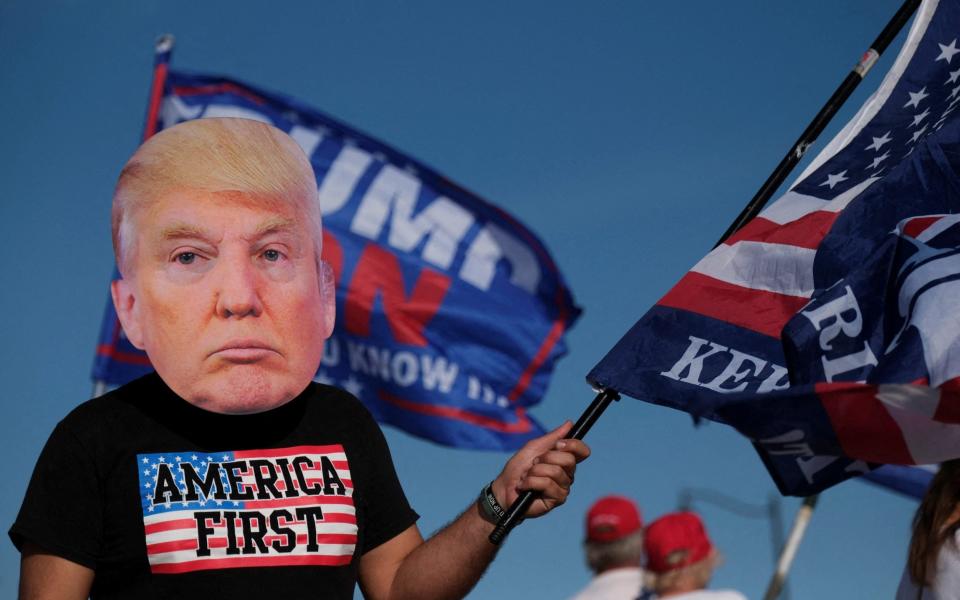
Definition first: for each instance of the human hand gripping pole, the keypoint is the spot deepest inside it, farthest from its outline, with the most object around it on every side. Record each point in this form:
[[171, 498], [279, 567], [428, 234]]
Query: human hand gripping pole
[[521, 505]]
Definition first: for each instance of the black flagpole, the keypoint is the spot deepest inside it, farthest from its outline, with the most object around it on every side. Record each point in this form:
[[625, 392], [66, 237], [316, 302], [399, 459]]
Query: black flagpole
[[518, 509]]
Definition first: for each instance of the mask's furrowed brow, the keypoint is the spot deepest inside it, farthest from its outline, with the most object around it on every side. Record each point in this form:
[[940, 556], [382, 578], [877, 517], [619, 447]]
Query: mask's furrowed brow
[[179, 231], [271, 226]]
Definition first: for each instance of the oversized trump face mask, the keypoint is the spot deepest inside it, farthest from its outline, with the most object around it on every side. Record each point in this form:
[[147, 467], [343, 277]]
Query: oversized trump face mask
[[225, 292]]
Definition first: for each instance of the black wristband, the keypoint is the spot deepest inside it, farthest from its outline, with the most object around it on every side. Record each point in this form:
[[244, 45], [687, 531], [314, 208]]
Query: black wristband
[[490, 509]]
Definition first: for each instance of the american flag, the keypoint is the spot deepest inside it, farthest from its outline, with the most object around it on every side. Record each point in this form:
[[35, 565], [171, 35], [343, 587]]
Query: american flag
[[219, 510], [807, 330]]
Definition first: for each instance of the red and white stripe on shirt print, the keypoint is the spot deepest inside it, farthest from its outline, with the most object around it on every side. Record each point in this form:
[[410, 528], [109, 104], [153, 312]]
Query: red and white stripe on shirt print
[[250, 508]]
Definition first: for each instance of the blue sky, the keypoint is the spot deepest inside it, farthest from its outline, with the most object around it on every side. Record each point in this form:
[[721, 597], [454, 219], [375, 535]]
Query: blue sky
[[627, 135]]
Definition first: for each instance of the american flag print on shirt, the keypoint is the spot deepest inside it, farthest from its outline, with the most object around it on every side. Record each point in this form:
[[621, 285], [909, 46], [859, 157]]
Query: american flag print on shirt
[[250, 508]]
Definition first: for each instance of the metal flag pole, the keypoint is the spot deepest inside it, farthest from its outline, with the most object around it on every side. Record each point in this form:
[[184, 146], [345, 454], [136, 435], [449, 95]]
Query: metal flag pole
[[790, 548], [518, 509], [162, 49], [161, 61]]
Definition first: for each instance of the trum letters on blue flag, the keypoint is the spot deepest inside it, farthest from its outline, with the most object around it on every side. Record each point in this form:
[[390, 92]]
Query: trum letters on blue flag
[[825, 329], [450, 313]]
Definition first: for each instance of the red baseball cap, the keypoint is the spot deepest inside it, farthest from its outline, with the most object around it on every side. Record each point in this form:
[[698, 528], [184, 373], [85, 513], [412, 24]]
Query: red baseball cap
[[612, 518], [674, 541]]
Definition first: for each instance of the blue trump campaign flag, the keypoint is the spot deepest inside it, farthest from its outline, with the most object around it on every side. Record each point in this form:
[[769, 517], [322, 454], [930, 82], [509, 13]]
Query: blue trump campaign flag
[[825, 329], [450, 313]]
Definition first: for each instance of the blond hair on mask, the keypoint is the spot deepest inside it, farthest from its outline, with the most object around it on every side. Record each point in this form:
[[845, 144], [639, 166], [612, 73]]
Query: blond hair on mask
[[213, 155]]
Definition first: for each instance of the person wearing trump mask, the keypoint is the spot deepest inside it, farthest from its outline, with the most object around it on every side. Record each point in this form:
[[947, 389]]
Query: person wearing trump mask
[[228, 472]]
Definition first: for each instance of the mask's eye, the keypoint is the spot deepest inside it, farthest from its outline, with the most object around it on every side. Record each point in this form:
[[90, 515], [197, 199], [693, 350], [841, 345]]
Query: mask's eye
[[186, 258], [272, 255]]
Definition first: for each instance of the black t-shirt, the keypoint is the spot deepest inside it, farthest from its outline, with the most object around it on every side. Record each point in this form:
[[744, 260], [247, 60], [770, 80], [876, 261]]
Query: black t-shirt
[[165, 500]]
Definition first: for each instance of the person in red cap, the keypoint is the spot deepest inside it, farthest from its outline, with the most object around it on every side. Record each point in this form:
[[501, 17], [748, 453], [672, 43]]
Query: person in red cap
[[681, 559], [614, 550]]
